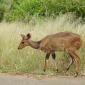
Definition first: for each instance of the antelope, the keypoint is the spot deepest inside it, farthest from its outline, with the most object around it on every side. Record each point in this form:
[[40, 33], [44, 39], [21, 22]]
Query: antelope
[[62, 41]]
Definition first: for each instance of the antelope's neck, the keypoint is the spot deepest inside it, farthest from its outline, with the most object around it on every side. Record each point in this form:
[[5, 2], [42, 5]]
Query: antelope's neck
[[34, 44]]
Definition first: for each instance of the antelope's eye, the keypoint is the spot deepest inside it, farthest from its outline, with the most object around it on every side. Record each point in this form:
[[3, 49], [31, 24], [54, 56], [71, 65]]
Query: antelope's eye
[[22, 42]]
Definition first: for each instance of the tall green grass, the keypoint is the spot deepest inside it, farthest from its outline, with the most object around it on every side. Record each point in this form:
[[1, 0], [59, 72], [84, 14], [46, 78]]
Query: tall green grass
[[29, 60]]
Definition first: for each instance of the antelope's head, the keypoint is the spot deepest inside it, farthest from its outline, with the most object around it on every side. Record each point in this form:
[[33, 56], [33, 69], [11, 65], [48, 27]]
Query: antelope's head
[[25, 41]]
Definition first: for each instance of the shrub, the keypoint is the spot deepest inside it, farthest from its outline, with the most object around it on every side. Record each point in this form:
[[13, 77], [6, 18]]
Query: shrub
[[24, 10]]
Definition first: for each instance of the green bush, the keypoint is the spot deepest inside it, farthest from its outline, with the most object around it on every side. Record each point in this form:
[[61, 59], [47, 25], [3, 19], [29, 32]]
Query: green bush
[[2, 10], [24, 10]]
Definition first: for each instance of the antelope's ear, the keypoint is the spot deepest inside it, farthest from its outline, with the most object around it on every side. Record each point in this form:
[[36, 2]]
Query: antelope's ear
[[28, 36], [22, 35]]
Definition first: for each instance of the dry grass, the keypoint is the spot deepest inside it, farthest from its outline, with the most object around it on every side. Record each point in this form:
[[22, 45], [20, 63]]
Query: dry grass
[[30, 60]]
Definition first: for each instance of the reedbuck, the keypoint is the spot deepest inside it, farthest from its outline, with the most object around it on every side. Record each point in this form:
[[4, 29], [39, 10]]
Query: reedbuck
[[62, 41]]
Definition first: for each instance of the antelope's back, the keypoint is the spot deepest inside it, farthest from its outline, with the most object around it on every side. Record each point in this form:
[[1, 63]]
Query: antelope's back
[[62, 40]]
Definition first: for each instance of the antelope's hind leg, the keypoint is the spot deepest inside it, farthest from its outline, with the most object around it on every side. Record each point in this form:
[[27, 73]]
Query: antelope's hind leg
[[71, 62], [76, 61]]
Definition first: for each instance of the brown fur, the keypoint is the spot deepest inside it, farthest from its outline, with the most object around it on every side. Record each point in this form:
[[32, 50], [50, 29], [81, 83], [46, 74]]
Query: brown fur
[[63, 41], [60, 42]]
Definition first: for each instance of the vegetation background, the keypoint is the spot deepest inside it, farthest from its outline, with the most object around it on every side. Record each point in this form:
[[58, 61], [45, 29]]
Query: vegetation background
[[40, 18], [24, 10]]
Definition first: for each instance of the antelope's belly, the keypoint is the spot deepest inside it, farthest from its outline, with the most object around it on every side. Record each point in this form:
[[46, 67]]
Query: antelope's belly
[[52, 48]]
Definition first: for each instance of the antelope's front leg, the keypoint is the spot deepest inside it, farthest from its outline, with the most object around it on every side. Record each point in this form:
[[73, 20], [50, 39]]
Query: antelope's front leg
[[54, 56], [46, 60]]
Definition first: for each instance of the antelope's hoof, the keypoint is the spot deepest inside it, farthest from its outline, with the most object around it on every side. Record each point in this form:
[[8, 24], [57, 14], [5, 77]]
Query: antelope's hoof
[[67, 69], [76, 74], [44, 70], [57, 70]]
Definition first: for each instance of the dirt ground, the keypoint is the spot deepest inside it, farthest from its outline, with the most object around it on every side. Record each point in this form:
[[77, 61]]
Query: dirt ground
[[6, 79]]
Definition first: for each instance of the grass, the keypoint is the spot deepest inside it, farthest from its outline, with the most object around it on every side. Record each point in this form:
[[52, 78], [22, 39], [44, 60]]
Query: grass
[[29, 60]]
